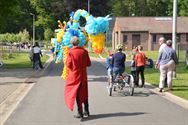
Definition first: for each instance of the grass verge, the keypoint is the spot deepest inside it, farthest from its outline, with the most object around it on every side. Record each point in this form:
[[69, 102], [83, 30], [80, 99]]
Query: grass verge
[[180, 84], [20, 60]]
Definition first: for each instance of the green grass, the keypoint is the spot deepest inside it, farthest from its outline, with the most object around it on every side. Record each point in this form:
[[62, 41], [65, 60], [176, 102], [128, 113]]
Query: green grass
[[180, 84], [20, 60]]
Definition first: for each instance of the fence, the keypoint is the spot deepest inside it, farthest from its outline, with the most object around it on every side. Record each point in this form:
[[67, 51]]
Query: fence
[[181, 51]]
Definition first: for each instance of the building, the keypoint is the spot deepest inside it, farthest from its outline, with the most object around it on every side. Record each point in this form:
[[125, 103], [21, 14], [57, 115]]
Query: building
[[132, 31]]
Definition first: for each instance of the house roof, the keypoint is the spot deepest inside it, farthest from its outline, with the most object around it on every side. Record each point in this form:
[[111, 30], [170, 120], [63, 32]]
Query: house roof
[[150, 24]]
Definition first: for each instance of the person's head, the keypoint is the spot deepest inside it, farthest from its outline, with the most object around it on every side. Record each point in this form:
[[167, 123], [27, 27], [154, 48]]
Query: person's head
[[140, 47], [75, 41], [36, 44], [119, 47], [134, 47], [110, 54], [162, 40], [169, 43]]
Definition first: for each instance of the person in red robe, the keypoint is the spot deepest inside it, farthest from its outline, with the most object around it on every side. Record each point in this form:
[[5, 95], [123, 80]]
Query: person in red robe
[[76, 86]]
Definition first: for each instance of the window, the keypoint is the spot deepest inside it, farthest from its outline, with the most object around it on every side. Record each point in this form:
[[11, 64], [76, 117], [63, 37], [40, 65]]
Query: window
[[154, 39], [178, 38], [187, 37], [125, 39]]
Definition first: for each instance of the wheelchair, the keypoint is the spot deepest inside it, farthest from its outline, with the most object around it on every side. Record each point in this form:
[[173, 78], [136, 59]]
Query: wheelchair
[[122, 82]]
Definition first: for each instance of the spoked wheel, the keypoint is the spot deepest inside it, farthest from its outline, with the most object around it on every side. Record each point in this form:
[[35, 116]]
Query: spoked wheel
[[1, 63], [131, 86]]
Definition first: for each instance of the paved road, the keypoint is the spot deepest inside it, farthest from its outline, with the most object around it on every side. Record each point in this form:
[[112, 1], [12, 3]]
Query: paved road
[[44, 104]]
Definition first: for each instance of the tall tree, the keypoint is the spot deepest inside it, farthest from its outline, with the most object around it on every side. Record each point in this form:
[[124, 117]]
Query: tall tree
[[183, 8], [7, 8]]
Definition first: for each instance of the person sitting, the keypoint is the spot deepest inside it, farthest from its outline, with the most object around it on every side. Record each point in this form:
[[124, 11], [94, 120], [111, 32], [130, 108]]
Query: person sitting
[[118, 62]]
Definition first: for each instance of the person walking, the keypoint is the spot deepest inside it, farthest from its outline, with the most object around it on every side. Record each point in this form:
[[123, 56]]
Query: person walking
[[37, 54], [167, 60], [133, 63], [109, 67], [162, 43], [140, 61], [76, 86]]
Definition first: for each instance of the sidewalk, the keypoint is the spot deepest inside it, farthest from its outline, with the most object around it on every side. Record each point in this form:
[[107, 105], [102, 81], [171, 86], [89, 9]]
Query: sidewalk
[[14, 86], [12, 79], [167, 95]]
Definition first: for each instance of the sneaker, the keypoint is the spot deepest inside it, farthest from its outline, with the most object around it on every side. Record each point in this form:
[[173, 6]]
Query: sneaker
[[86, 114], [79, 115], [161, 90]]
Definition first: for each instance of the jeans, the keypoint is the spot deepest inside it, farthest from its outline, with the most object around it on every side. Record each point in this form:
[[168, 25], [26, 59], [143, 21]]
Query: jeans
[[140, 70], [117, 71]]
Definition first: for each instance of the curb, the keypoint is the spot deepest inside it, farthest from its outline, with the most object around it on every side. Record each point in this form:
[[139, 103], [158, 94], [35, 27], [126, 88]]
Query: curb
[[169, 96]]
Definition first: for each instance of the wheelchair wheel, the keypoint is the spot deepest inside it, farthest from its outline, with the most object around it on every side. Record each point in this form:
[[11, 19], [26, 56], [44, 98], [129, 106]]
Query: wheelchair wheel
[[110, 91], [131, 86], [110, 86], [1, 63]]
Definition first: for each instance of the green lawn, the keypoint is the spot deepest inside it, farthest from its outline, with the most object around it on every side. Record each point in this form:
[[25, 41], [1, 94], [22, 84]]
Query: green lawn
[[150, 54], [20, 60], [180, 84]]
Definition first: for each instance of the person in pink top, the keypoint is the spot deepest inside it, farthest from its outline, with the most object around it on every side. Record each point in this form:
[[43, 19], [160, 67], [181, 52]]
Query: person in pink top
[[140, 61]]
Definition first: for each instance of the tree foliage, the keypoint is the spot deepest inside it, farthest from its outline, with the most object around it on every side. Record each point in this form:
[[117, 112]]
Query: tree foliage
[[15, 14], [48, 34]]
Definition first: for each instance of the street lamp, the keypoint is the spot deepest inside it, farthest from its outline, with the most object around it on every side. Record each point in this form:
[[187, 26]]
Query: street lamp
[[88, 5], [33, 27], [174, 29], [174, 25]]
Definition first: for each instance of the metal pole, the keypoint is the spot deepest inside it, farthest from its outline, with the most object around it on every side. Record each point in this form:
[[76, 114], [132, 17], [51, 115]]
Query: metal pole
[[174, 26], [33, 27], [174, 30], [88, 5]]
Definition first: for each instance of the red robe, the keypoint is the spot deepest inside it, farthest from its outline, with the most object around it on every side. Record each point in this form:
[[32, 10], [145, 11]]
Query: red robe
[[77, 62]]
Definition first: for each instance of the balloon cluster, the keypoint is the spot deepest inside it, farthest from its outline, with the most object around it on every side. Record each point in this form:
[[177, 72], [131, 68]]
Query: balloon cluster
[[93, 31], [65, 69]]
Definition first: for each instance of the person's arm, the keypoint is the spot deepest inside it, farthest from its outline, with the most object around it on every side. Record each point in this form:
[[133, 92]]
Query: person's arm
[[69, 61], [113, 61], [88, 60], [125, 57], [175, 58], [136, 59], [158, 60]]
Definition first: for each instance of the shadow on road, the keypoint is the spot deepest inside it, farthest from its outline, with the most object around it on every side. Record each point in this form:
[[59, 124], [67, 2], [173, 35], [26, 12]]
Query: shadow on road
[[119, 114]]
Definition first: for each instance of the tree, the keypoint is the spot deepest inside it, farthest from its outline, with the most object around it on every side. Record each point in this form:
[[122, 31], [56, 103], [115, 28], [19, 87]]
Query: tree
[[24, 36], [8, 8], [48, 34], [183, 8]]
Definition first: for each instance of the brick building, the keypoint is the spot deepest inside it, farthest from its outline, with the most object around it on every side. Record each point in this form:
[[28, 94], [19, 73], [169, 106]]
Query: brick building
[[132, 31]]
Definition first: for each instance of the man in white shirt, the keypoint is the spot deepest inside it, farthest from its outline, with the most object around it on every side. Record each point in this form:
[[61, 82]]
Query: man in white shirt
[[36, 56], [162, 43]]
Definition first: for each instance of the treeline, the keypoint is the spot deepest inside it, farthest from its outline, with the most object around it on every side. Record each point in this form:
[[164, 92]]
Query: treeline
[[22, 36], [15, 14], [148, 7]]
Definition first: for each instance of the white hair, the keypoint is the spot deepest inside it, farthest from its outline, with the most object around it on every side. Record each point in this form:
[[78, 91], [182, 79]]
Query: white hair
[[162, 39]]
